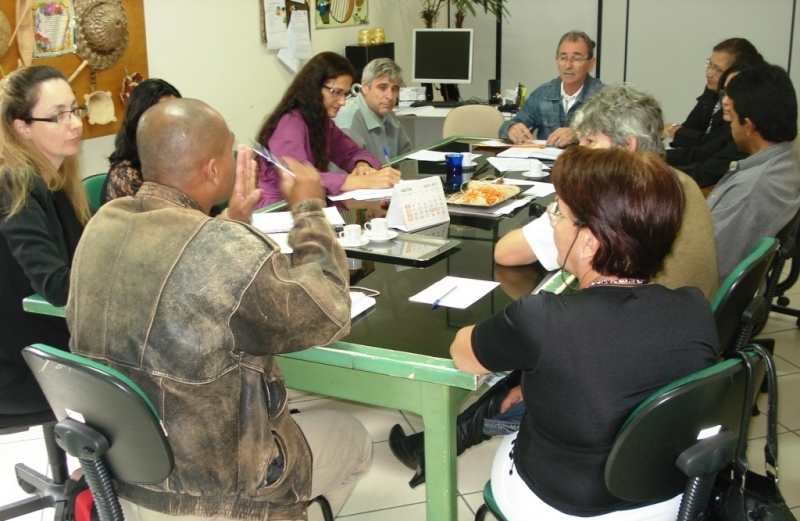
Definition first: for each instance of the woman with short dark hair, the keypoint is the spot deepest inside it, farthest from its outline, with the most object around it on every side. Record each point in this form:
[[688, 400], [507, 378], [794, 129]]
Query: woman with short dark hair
[[302, 127], [589, 358], [125, 175]]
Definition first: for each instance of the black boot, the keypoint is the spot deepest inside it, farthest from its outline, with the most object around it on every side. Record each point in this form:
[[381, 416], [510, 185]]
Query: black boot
[[410, 450]]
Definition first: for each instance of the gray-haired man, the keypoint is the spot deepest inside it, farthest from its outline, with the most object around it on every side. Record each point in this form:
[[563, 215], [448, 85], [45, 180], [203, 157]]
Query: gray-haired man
[[368, 118]]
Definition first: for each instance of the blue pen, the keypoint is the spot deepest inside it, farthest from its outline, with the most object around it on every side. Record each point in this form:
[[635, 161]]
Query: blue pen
[[439, 300], [386, 156]]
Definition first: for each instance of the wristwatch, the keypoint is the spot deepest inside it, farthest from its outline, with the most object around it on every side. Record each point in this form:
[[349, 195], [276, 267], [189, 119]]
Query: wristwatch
[[669, 130]]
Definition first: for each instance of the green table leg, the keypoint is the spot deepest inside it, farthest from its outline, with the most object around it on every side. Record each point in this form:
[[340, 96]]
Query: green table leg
[[437, 403], [439, 409]]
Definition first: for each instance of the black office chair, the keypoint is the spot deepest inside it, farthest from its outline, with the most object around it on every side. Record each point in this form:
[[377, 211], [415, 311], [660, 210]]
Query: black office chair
[[105, 421], [108, 423], [657, 455], [738, 307], [776, 288], [48, 493]]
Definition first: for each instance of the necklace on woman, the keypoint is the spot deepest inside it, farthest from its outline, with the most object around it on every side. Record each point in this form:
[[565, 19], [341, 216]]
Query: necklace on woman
[[625, 282]]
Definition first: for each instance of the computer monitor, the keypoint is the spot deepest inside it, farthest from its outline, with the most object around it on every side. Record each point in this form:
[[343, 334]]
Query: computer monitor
[[442, 56]]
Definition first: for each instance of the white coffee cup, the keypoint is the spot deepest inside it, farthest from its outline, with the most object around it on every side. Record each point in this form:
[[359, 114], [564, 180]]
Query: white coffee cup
[[378, 228], [535, 169], [351, 236]]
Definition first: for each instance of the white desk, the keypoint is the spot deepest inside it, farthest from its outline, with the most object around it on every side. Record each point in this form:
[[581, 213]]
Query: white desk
[[425, 127]]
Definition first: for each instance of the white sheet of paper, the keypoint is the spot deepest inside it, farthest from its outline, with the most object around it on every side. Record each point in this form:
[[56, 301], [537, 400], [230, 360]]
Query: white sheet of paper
[[363, 194], [540, 189], [439, 157], [513, 164], [275, 222], [538, 153], [518, 153], [545, 153], [298, 35], [283, 241], [519, 182], [493, 143], [467, 292], [359, 303], [275, 24], [286, 58]]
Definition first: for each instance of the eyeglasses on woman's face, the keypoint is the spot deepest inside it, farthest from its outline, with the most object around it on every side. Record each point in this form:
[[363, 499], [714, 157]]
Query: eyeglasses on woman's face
[[554, 213], [336, 93], [63, 117]]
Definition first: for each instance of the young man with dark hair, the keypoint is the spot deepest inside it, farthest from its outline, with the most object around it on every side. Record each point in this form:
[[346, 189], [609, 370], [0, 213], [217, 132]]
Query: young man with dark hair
[[761, 193]]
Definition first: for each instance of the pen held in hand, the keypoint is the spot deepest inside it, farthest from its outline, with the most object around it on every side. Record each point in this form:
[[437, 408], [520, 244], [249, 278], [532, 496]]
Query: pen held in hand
[[436, 302], [386, 159], [259, 149]]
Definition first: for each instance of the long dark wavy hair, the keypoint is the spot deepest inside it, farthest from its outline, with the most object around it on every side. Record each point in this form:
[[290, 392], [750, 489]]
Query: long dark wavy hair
[[305, 95], [144, 96]]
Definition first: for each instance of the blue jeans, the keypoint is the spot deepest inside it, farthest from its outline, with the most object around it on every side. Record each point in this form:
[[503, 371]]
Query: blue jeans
[[505, 422]]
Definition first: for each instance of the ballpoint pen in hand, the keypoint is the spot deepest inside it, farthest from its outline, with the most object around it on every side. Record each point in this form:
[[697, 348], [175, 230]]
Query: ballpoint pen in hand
[[259, 149], [386, 157], [439, 300]]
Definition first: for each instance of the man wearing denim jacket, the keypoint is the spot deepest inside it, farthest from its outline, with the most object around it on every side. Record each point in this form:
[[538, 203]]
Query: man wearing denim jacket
[[549, 109], [193, 310]]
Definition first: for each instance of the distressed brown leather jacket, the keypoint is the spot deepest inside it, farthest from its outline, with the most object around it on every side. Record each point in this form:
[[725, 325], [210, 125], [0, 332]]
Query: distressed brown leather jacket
[[193, 309]]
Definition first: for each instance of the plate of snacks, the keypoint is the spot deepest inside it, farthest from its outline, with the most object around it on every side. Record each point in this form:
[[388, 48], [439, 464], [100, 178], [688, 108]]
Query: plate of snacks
[[483, 194]]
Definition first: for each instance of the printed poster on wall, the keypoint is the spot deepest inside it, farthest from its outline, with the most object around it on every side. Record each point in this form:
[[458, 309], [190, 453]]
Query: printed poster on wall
[[340, 13], [54, 28]]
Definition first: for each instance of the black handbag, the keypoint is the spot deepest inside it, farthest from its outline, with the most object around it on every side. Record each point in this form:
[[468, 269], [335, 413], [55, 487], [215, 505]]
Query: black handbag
[[743, 495]]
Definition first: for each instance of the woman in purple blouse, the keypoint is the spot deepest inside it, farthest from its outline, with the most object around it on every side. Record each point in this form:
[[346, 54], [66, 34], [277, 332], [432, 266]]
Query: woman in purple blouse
[[302, 127]]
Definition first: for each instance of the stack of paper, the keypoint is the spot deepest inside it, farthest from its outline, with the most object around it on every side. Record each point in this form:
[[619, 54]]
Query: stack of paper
[[549, 153], [513, 164]]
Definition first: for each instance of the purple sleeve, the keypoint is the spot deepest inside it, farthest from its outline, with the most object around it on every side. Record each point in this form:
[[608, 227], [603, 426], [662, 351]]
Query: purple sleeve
[[344, 152]]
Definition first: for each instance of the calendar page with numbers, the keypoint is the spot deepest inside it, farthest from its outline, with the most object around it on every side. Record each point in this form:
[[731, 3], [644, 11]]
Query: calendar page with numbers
[[418, 204]]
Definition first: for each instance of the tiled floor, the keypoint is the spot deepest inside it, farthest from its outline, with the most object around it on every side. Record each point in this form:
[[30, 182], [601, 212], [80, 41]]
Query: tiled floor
[[384, 493]]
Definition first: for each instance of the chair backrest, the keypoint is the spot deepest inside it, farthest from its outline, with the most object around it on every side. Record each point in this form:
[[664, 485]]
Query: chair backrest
[[641, 465], [110, 403], [473, 121], [94, 186], [739, 289]]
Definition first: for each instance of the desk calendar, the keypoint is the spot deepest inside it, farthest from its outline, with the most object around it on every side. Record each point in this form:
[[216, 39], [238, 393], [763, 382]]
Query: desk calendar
[[418, 204]]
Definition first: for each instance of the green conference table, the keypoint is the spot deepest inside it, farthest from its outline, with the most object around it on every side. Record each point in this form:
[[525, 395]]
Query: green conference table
[[397, 355]]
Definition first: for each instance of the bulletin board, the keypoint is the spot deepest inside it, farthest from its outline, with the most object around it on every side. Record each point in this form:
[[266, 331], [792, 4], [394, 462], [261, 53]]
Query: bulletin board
[[134, 59]]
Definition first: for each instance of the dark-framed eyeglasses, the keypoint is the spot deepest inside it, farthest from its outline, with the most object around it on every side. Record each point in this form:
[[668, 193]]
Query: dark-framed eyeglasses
[[336, 93], [63, 117], [710, 66], [554, 213]]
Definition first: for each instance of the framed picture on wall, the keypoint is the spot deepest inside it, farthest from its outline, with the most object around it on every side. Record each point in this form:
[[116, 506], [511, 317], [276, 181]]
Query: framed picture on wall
[[340, 13]]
